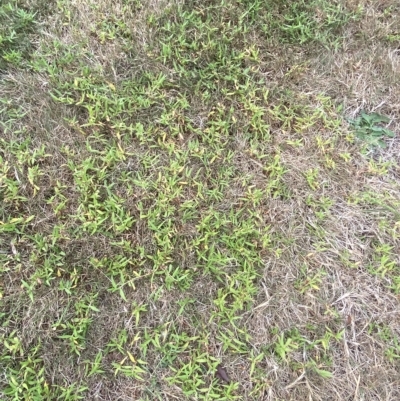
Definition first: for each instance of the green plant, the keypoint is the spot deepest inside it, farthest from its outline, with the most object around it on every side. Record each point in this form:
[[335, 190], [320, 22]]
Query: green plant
[[312, 178], [284, 345], [368, 128], [309, 282]]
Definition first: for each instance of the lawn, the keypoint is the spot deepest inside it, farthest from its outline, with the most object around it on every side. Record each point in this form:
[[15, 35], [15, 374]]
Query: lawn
[[200, 200]]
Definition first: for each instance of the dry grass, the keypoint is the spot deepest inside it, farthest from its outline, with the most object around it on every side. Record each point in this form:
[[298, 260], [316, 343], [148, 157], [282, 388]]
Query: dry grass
[[295, 291]]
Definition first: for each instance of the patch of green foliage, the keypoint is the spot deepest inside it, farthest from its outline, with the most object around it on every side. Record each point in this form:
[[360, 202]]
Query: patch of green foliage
[[301, 22], [16, 23], [368, 128]]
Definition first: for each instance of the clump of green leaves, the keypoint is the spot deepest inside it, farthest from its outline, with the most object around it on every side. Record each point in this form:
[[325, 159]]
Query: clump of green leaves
[[369, 128], [16, 24]]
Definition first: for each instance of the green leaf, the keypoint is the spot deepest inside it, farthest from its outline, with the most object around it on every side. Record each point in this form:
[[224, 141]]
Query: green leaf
[[93, 308], [388, 132], [378, 118], [376, 131], [324, 373]]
